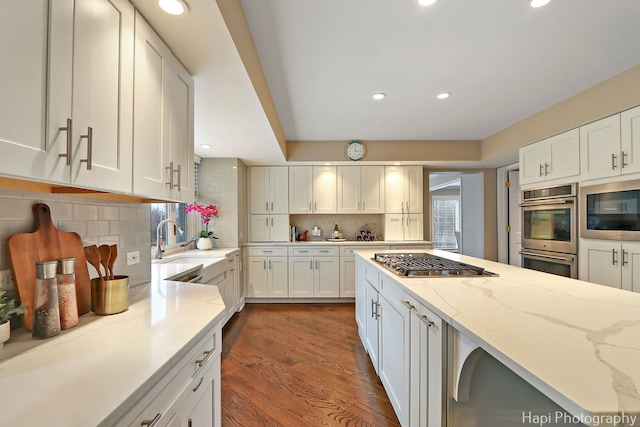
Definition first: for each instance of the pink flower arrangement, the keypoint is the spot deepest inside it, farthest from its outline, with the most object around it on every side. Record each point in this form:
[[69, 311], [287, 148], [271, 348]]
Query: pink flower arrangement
[[206, 214]]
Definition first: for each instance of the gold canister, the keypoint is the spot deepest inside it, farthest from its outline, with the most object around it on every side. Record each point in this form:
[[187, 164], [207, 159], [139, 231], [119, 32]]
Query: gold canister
[[110, 296]]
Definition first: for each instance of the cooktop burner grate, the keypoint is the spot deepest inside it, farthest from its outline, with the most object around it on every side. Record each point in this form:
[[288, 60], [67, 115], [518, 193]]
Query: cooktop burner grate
[[421, 264]]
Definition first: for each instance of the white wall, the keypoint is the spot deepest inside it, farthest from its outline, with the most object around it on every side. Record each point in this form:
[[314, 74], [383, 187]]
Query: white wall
[[473, 228]]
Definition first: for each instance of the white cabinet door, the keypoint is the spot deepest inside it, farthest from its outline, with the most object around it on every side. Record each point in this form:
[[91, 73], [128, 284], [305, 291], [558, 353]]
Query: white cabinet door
[[394, 356], [181, 131], [348, 278], [300, 189], [372, 189], [414, 224], [372, 338], [259, 227], [600, 262], [394, 189], [278, 284], [348, 189], [24, 134], [324, 190], [279, 190], [394, 227], [630, 140], [258, 277], [279, 228], [600, 148], [103, 94], [326, 277], [532, 160], [563, 155], [630, 265], [259, 190], [301, 271], [413, 183]]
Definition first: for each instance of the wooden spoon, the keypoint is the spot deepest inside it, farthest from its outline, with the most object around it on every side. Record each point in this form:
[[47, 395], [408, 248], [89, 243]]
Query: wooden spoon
[[112, 260], [93, 256], [105, 257]]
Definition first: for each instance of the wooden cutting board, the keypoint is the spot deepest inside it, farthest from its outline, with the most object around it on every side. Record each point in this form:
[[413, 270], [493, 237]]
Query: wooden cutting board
[[47, 243]]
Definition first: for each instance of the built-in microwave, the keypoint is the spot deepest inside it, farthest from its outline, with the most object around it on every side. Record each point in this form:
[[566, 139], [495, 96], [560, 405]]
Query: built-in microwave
[[610, 211]]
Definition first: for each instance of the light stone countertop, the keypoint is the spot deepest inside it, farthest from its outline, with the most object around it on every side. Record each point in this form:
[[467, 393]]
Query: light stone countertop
[[576, 342], [95, 371], [345, 243]]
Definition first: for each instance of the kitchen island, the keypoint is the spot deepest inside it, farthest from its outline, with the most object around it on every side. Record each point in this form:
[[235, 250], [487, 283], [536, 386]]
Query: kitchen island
[[119, 369], [575, 342]]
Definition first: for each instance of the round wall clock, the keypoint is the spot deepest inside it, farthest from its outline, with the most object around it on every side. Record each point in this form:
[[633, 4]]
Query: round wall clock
[[355, 150]]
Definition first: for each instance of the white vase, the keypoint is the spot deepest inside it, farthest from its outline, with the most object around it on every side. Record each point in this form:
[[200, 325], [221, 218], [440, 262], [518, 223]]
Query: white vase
[[5, 332], [204, 243]]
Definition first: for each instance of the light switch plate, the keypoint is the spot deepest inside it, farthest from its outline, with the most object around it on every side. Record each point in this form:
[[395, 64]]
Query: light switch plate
[[133, 257], [6, 280]]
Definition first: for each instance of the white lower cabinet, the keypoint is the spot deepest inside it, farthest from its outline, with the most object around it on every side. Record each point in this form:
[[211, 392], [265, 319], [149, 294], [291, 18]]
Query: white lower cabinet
[[267, 272], [189, 394], [406, 343], [611, 263], [348, 268], [314, 272]]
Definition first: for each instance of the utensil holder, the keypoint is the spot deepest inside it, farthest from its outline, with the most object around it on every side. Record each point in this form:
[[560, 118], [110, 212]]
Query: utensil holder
[[110, 296]]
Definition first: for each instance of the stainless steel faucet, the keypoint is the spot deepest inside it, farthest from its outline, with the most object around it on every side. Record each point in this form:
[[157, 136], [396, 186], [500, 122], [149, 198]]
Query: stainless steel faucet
[[159, 250]]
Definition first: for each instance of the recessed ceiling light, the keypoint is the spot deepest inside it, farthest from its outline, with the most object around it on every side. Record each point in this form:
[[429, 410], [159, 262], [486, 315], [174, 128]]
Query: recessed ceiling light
[[327, 164], [538, 3], [173, 7], [426, 2], [397, 163], [379, 95], [443, 95], [205, 146]]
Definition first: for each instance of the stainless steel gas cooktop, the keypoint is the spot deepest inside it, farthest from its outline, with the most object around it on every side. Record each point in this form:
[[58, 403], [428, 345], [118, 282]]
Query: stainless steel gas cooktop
[[425, 265]]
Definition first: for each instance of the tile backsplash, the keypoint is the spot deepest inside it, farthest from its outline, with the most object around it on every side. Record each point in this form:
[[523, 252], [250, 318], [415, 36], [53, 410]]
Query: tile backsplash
[[96, 221], [348, 224]]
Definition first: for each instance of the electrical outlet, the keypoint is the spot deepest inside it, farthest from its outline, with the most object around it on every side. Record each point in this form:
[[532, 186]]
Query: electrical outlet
[[6, 280], [133, 257]]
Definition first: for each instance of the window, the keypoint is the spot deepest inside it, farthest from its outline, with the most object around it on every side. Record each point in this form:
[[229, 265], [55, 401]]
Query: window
[[175, 212], [446, 221]]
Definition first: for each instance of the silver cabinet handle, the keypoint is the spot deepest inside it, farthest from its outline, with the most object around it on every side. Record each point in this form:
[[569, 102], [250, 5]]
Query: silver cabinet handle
[[207, 354], [407, 206], [541, 171], [614, 260], [264, 251], [271, 206], [301, 251], [363, 205], [546, 169], [272, 221], [151, 423], [89, 137], [179, 172], [170, 170], [324, 250], [625, 260], [270, 265], [309, 206], [409, 305], [402, 206], [266, 206], [264, 264], [425, 319], [613, 161], [372, 308], [377, 311], [266, 223], [316, 264], [310, 264], [624, 156], [68, 128], [315, 206], [199, 384]]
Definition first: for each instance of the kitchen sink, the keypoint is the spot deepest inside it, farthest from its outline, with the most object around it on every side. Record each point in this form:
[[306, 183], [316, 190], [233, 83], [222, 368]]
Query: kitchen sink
[[188, 260]]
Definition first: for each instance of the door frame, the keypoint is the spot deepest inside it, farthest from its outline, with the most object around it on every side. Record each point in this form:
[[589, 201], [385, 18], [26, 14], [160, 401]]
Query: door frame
[[502, 209]]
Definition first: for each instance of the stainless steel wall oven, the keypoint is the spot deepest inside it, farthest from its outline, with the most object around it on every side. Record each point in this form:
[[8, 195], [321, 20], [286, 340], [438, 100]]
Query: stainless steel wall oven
[[550, 229]]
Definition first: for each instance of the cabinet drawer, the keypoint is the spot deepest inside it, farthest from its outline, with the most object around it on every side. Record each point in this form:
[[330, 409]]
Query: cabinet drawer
[[371, 274], [391, 290], [348, 250], [231, 261], [315, 251], [268, 251]]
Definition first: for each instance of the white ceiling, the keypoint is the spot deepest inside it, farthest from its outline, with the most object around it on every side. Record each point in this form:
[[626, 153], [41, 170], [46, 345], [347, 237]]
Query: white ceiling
[[323, 59]]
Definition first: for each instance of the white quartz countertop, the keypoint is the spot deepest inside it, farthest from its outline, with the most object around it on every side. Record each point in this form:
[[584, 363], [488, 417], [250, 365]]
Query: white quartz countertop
[[92, 372], [576, 342], [346, 242]]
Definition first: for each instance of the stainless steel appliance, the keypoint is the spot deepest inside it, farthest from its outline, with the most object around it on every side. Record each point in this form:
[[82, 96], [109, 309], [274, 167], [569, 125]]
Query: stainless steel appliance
[[550, 229], [611, 211], [428, 265]]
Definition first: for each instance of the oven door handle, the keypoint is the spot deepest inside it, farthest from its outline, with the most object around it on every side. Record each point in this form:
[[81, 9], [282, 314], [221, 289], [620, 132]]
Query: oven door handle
[[559, 258], [547, 202]]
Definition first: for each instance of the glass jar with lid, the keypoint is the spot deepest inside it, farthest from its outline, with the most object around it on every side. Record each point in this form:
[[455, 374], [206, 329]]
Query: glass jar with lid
[[46, 314], [67, 301]]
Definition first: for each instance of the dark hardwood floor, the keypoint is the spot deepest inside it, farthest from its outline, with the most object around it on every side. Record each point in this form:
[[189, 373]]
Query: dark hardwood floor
[[299, 365]]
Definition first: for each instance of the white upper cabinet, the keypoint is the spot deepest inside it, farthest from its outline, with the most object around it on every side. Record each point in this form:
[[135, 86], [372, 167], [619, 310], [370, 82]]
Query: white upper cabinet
[[68, 98], [403, 189], [630, 140], [269, 190], [360, 189], [312, 189], [163, 120], [600, 153], [553, 158]]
